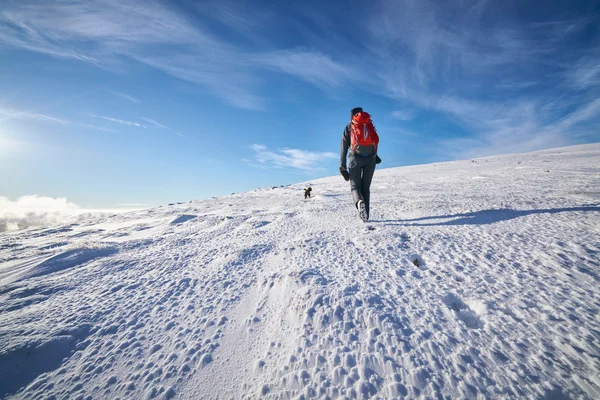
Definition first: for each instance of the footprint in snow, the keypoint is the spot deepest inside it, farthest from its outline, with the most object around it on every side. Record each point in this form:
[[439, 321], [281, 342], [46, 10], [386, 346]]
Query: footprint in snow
[[463, 311], [260, 224], [418, 261], [312, 276]]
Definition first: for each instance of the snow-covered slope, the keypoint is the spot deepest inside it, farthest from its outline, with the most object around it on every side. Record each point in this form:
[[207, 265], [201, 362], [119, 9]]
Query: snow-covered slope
[[475, 278]]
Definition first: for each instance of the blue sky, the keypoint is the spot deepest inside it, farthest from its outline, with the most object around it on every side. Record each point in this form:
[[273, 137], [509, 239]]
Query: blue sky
[[109, 103]]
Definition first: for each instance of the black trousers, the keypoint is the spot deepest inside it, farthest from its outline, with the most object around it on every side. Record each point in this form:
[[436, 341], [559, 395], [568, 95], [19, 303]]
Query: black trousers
[[361, 170]]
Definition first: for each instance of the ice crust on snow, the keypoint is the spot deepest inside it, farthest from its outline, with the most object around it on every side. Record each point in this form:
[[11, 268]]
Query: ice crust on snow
[[479, 279]]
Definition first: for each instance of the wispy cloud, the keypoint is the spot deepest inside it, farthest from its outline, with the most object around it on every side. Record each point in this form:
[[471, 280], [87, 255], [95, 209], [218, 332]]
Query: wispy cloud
[[303, 160], [19, 114], [95, 127], [121, 121], [241, 17], [109, 32], [403, 115], [498, 82], [127, 97], [9, 113], [222, 73], [521, 128], [482, 66], [313, 67], [451, 42], [585, 73], [161, 126], [150, 123], [587, 112]]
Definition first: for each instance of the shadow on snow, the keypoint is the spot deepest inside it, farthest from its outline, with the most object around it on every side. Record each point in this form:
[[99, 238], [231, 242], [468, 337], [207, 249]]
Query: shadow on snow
[[484, 217]]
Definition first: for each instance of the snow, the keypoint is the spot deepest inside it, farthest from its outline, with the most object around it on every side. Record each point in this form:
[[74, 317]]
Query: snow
[[474, 279]]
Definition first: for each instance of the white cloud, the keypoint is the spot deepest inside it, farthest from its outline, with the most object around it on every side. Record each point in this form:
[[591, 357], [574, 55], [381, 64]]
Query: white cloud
[[35, 210], [313, 67], [156, 124], [587, 112], [585, 73], [403, 115], [41, 211], [519, 127], [443, 57], [127, 97], [225, 74], [121, 121], [107, 32], [303, 160], [161, 126], [98, 128], [426, 42], [19, 114], [152, 123]]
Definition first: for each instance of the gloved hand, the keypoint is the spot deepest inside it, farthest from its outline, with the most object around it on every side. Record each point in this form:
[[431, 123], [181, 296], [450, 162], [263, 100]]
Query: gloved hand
[[345, 173], [377, 159]]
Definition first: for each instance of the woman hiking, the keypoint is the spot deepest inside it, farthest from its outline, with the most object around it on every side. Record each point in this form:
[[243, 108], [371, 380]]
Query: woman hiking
[[360, 137]]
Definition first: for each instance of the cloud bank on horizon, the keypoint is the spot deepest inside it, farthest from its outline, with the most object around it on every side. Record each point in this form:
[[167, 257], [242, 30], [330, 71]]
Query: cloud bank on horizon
[[40, 211], [28, 211]]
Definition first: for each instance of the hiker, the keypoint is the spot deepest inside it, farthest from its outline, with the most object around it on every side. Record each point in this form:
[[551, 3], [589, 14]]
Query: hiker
[[307, 192], [360, 137]]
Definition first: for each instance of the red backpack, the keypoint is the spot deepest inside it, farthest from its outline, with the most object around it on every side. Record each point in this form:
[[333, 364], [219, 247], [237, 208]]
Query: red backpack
[[363, 136]]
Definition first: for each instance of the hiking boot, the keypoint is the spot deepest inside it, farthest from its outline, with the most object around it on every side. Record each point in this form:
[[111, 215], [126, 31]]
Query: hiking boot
[[362, 210]]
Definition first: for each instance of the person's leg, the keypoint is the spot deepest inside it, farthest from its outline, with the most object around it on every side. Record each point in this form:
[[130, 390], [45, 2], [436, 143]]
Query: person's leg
[[355, 172], [367, 176]]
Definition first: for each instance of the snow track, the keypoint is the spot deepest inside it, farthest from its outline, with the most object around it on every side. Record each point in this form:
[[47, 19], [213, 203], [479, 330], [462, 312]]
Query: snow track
[[480, 278]]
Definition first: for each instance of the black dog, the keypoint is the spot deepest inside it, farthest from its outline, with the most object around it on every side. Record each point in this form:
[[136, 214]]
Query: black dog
[[307, 192]]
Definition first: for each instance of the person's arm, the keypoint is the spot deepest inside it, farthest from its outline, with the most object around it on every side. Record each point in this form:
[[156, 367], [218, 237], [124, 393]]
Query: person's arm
[[344, 147], [344, 153]]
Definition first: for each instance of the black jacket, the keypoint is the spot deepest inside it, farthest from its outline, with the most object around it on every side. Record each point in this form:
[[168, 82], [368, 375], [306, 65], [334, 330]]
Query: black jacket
[[345, 145]]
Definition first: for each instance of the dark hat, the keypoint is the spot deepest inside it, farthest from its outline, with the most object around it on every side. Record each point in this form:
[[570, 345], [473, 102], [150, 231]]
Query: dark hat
[[355, 111]]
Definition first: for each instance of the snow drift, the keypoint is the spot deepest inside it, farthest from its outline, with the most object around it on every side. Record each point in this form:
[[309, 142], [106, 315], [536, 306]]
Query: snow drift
[[475, 278]]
